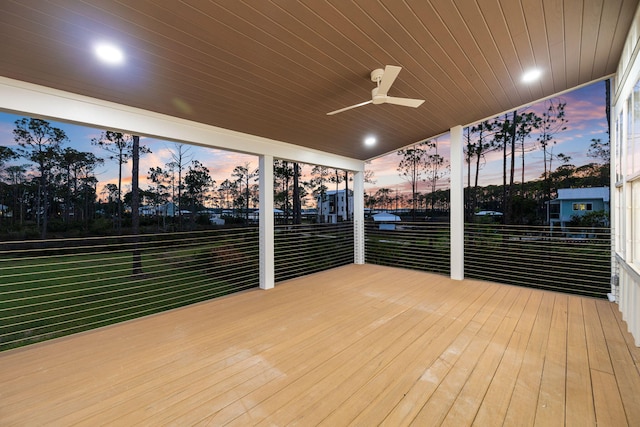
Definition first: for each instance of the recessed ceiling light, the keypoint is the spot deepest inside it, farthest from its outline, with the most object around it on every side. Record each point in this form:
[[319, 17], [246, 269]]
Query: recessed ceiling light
[[109, 53], [531, 75], [370, 141]]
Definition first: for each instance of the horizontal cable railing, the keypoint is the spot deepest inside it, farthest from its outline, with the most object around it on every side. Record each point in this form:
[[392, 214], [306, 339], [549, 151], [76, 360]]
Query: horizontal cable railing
[[416, 245], [574, 260], [305, 249], [52, 288]]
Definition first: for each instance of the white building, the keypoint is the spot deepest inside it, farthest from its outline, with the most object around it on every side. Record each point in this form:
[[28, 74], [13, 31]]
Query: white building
[[625, 181], [332, 206]]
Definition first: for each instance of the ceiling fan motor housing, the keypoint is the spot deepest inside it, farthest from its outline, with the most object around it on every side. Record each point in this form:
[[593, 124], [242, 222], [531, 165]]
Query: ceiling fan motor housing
[[377, 99], [376, 75]]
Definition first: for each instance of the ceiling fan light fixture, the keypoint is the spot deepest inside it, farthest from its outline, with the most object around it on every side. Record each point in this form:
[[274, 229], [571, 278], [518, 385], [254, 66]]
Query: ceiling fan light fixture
[[531, 75]]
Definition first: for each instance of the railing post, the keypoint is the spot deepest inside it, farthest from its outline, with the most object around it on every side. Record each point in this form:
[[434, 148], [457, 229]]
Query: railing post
[[358, 217], [267, 270], [457, 204]]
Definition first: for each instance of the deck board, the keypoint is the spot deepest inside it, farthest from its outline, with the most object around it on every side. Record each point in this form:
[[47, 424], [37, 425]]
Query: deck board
[[552, 394], [360, 345]]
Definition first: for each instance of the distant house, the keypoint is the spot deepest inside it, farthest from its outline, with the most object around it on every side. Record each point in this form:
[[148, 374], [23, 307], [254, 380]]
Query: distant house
[[255, 215], [332, 207], [576, 202], [386, 220], [489, 213], [4, 211]]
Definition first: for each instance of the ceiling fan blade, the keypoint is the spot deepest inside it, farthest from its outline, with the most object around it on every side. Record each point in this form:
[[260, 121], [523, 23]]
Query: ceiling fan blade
[[406, 102], [349, 108], [389, 76]]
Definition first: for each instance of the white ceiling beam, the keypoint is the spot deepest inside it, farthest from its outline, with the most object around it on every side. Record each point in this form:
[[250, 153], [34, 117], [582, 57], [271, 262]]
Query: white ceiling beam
[[43, 102]]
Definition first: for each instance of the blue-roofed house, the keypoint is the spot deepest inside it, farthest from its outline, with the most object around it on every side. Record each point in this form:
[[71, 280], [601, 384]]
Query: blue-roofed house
[[572, 202]]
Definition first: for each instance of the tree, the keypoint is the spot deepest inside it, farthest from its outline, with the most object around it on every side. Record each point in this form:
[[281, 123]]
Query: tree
[[412, 167], [501, 141], [562, 173], [319, 176], [369, 176], [297, 190], [525, 124], [6, 154], [478, 144], [336, 178], [197, 182], [16, 177], [161, 179], [40, 143], [600, 150], [282, 175], [181, 156], [243, 177], [111, 191], [76, 167], [255, 195], [227, 191], [511, 134], [87, 195], [370, 201], [383, 197], [135, 204], [120, 146], [553, 121], [435, 168], [346, 195]]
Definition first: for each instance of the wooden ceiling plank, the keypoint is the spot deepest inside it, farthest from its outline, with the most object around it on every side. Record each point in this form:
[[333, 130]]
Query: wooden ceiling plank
[[444, 68], [590, 29], [625, 18], [496, 22], [573, 10], [554, 25], [274, 68], [514, 15], [387, 52], [606, 36], [315, 54], [264, 57], [534, 17], [277, 84], [176, 59], [447, 44], [263, 88], [322, 25], [478, 70], [487, 52], [416, 60], [365, 94], [431, 56]]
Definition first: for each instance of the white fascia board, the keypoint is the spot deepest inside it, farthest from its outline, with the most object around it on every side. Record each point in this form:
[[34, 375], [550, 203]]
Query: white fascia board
[[43, 102]]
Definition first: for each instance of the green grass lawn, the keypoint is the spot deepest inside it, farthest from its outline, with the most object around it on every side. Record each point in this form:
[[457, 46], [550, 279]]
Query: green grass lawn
[[55, 295]]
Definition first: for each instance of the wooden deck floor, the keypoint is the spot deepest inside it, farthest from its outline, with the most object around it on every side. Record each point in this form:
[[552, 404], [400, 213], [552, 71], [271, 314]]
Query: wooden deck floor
[[361, 344]]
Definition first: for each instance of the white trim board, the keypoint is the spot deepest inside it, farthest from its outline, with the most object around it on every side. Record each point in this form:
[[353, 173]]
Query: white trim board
[[43, 102]]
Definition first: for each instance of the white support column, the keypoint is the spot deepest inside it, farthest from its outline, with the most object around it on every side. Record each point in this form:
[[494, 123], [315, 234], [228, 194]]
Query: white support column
[[358, 217], [457, 204], [267, 272]]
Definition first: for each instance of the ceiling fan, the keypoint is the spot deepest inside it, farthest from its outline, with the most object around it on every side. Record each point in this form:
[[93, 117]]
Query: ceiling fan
[[384, 79]]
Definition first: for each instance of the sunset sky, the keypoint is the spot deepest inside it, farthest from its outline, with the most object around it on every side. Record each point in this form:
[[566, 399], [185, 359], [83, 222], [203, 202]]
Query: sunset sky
[[585, 113]]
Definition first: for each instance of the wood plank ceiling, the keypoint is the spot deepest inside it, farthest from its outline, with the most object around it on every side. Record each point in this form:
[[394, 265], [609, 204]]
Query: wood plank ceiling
[[275, 68]]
